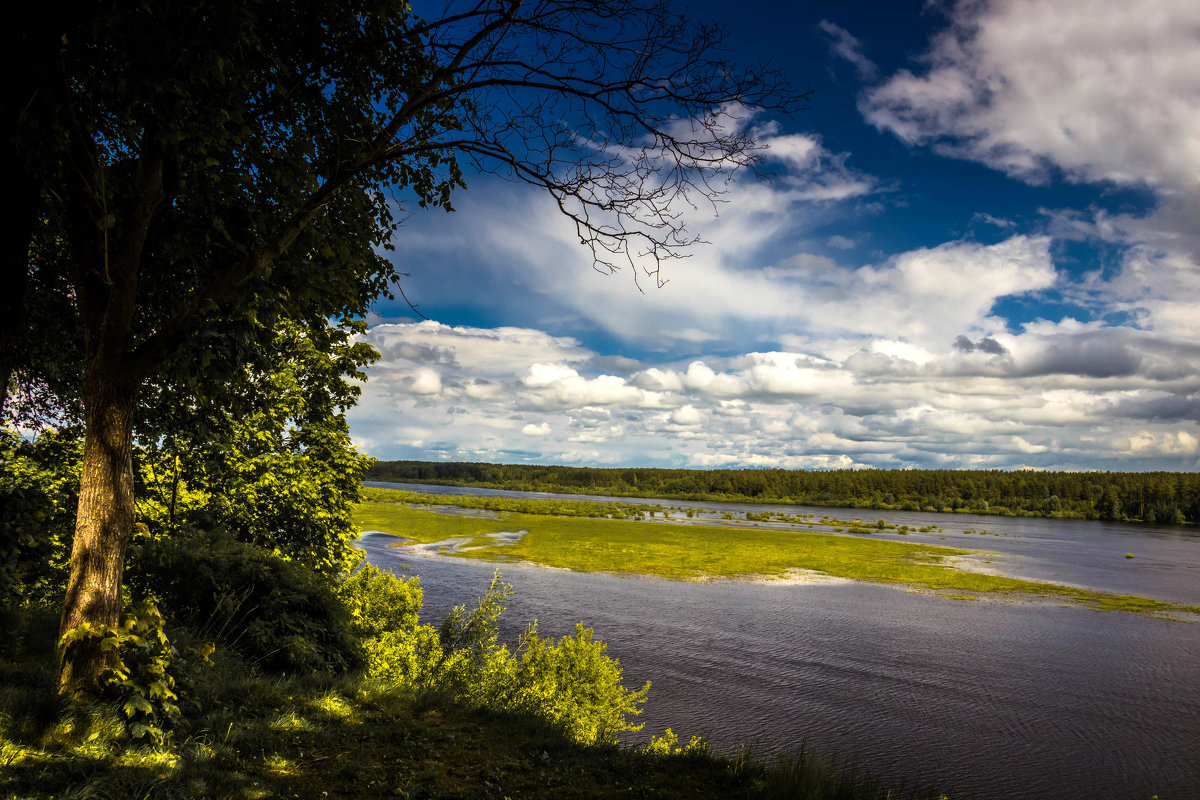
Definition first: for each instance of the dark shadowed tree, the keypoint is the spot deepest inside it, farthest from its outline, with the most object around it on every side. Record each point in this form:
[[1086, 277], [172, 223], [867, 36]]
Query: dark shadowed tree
[[200, 174]]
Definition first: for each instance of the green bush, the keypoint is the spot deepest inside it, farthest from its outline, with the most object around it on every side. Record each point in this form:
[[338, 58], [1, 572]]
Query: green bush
[[378, 601], [665, 745], [275, 613], [576, 686], [384, 612], [141, 682], [571, 683], [39, 491]]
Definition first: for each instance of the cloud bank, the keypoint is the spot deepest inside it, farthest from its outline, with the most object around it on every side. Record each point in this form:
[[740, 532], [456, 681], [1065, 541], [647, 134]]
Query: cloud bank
[[798, 338], [1054, 396]]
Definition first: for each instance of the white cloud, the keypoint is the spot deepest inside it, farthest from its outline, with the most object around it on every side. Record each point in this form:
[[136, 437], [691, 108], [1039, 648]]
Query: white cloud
[[548, 374], [1169, 443], [426, 381], [687, 415], [1104, 90], [483, 350], [1025, 447], [894, 359], [1043, 398], [930, 295], [796, 149], [846, 46]]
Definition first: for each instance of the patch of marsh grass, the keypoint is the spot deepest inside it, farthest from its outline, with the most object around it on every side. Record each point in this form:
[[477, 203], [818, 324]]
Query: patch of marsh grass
[[699, 552]]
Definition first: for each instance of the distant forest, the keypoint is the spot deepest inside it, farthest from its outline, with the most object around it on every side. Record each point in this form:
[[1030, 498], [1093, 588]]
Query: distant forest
[[1164, 497]]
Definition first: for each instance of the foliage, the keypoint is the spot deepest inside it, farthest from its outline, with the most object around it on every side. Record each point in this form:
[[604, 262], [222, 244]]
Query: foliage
[[1144, 496], [277, 614], [194, 179], [141, 681], [574, 685], [274, 465], [571, 683], [384, 612], [665, 745], [256, 735], [378, 601], [39, 488], [472, 635]]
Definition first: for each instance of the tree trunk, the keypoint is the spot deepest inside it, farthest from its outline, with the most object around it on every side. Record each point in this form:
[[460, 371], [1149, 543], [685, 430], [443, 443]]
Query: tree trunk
[[104, 523]]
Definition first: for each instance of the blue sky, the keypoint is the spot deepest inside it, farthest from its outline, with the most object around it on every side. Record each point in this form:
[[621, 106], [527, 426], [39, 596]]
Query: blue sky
[[980, 249]]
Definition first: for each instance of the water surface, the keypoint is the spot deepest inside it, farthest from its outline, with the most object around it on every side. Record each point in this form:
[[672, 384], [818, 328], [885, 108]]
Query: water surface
[[992, 699]]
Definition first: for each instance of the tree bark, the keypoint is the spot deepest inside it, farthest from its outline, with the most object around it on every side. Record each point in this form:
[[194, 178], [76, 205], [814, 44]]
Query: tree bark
[[104, 523]]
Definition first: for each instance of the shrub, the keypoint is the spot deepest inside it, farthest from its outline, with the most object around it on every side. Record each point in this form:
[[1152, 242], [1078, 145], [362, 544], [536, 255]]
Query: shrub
[[378, 601], [665, 745], [571, 683], [576, 686], [275, 613], [39, 490], [384, 612], [141, 682]]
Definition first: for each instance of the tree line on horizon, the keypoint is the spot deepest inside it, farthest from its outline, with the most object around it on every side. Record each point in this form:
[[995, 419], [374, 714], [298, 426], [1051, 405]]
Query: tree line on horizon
[[1158, 497]]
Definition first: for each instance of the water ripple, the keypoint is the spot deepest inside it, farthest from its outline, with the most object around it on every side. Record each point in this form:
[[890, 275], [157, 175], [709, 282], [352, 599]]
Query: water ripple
[[991, 700]]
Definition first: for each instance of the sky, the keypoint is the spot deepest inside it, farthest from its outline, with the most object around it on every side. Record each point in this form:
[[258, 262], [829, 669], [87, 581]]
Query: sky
[[980, 249]]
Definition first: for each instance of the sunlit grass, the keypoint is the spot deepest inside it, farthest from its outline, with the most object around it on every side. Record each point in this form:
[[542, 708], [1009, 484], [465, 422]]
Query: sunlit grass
[[698, 552]]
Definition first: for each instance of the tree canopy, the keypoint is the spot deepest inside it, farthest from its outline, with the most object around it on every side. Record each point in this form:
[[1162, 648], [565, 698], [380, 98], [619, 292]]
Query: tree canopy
[[202, 180]]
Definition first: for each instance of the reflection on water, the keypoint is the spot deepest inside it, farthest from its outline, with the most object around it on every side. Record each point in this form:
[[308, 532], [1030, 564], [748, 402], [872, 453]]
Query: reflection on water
[[989, 699]]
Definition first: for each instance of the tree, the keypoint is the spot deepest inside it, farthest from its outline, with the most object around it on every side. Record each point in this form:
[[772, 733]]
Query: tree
[[205, 172], [272, 464]]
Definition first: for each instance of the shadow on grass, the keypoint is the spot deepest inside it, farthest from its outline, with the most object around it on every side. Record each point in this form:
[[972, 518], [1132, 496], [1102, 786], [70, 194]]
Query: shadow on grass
[[314, 736]]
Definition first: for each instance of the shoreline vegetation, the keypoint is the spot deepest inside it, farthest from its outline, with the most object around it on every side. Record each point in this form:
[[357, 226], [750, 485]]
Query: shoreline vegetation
[[253, 735], [652, 541], [1149, 497]]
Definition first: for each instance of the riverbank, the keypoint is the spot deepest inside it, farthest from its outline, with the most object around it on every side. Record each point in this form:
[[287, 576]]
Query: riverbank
[[592, 540], [252, 735]]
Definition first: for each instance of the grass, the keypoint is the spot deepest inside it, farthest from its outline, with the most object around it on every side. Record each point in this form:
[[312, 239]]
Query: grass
[[253, 735], [699, 552], [527, 505]]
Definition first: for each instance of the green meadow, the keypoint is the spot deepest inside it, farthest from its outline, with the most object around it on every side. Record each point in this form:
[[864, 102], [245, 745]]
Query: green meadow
[[679, 551]]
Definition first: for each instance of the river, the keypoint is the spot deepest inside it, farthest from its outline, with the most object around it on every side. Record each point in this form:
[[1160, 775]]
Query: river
[[987, 700]]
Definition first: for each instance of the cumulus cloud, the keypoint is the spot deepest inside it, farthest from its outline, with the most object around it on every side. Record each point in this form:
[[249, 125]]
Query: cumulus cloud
[[1103, 90], [426, 381], [482, 350], [985, 345], [783, 345], [1052, 395], [1090, 91], [926, 296], [1177, 443], [687, 415]]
